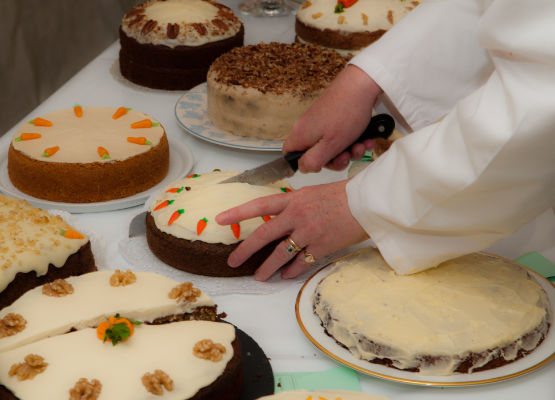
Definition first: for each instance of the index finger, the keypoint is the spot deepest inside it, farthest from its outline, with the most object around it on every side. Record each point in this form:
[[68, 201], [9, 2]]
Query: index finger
[[267, 205]]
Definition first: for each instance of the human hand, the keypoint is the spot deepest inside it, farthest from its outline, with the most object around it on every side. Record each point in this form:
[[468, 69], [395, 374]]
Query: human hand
[[317, 218], [335, 120]]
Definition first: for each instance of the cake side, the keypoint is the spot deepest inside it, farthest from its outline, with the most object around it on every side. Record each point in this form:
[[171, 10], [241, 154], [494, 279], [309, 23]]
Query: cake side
[[469, 314]]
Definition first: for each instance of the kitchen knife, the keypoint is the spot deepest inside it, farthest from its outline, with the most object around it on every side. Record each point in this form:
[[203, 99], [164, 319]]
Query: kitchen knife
[[380, 125]]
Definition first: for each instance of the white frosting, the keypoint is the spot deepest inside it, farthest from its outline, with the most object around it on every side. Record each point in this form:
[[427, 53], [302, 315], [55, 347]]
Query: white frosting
[[321, 395], [120, 368], [92, 301], [80, 137], [30, 240], [473, 304], [184, 13], [320, 14], [206, 199], [252, 113]]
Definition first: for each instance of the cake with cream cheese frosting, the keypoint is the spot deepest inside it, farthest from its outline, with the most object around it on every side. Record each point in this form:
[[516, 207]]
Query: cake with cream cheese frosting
[[260, 90], [182, 231], [473, 313], [169, 44], [37, 247], [321, 395], [116, 334], [88, 154], [348, 26]]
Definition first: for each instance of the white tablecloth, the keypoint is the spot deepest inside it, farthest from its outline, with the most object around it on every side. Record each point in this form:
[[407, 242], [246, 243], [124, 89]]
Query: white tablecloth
[[269, 319]]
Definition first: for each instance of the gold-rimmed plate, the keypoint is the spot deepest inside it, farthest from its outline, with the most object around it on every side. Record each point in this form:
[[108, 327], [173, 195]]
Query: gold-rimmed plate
[[311, 326]]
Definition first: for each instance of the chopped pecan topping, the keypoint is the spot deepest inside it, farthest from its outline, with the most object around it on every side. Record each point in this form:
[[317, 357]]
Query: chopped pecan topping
[[148, 26], [85, 390], [208, 350], [58, 288], [185, 292], [415, 3], [11, 324], [317, 15], [341, 19], [32, 366], [220, 24], [364, 19], [200, 28], [306, 4], [120, 278], [173, 31], [390, 17], [136, 20], [154, 382]]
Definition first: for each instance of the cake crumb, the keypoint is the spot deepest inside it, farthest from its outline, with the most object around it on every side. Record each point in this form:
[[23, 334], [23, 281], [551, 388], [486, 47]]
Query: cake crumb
[[33, 365], [85, 390], [11, 324], [390, 17], [124, 278], [306, 4], [58, 288], [208, 350], [154, 382], [341, 19], [317, 15], [364, 19], [185, 292]]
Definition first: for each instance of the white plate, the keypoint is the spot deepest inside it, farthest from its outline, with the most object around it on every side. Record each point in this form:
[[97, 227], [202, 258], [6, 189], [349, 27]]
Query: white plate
[[311, 326], [181, 162], [192, 116]]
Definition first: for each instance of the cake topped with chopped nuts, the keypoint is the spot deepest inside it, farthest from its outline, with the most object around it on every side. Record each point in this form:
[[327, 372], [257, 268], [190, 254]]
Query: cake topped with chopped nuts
[[180, 22], [31, 239]]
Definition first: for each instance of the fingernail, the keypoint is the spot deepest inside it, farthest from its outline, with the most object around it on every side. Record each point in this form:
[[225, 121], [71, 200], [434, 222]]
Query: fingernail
[[232, 261]]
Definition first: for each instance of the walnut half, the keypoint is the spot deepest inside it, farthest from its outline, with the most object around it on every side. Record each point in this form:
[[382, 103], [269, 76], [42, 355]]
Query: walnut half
[[58, 288], [154, 382], [185, 292], [11, 324], [33, 365], [85, 390], [208, 350], [124, 278]]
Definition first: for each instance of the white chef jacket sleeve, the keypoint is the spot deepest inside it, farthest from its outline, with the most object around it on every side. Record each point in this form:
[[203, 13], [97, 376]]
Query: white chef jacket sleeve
[[488, 167]]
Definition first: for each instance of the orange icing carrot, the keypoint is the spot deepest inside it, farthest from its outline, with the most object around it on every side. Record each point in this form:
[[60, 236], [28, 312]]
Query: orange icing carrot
[[41, 122], [285, 189], [163, 204], [49, 152], [266, 218], [116, 329], [138, 140], [103, 153], [201, 224], [144, 123], [78, 110], [71, 234], [119, 112], [175, 216], [28, 136], [175, 190], [236, 229], [193, 176]]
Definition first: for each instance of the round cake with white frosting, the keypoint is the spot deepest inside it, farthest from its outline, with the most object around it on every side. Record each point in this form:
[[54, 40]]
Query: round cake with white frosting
[[183, 233], [260, 90], [348, 26], [169, 44], [469, 314], [88, 154]]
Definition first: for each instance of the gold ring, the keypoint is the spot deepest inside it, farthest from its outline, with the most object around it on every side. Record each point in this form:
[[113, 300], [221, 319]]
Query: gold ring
[[293, 247], [308, 258]]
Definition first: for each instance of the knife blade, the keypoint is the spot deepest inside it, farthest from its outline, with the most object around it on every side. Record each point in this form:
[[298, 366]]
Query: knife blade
[[380, 125]]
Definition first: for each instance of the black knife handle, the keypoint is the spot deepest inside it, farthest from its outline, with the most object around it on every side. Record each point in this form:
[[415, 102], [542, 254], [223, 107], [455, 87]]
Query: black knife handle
[[380, 126]]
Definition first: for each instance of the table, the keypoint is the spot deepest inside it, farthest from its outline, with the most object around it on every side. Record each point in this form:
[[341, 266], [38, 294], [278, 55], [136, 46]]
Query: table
[[274, 327]]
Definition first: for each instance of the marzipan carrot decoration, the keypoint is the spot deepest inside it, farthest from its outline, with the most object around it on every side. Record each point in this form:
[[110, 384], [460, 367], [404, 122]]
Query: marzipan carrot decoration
[[120, 112], [266, 218], [175, 216], [163, 204], [116, 329], [144, 123], [103, 153], [347, 3], [175, 190], [193, 176], [236, 229], [201, 224], [285, 189], [138, 140], [49, 152], [71, 234], [78, 110], [40, 122], [28, 136]]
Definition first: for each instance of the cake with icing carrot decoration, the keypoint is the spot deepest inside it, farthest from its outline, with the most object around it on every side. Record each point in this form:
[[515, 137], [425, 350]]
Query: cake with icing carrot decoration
[[182, 231], [169, 44], [156, 336], [348, 26], [36, 248], [88, 154]]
